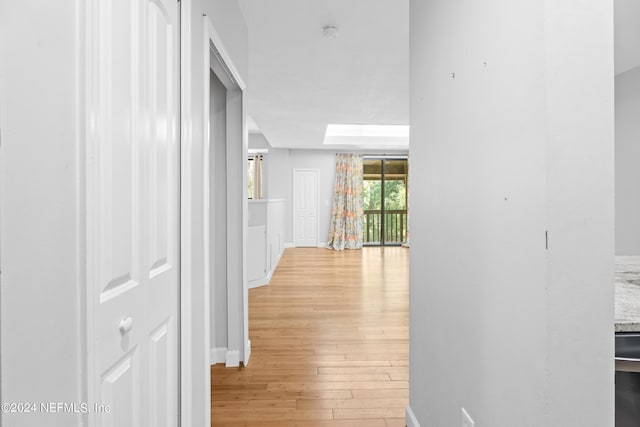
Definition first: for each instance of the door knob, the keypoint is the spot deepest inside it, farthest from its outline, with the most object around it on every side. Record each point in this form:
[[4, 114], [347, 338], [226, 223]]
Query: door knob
[[125, 325]]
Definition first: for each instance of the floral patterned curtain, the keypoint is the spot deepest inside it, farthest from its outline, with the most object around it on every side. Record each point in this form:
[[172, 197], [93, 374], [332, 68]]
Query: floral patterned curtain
[[347, 215]]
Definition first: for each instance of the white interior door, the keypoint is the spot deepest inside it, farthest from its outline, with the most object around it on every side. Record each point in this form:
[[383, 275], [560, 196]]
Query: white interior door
[[305, 207], [132, 207]]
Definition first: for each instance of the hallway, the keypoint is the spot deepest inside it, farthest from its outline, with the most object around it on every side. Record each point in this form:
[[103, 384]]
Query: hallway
[[330, 344]]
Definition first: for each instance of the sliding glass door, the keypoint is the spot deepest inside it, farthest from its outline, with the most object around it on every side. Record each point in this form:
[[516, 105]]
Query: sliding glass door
[[385, 201]]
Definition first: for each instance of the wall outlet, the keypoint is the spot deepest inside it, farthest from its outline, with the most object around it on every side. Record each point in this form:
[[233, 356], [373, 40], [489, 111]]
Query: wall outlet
[[466, 419]]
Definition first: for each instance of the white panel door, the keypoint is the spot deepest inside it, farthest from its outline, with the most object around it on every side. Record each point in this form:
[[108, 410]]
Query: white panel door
[[132, 210], [305, 207]]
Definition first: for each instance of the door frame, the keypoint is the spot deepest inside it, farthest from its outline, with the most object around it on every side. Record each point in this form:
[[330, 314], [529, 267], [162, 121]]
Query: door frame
[[293, 213], [236, 195], [186, 258], [217, 59]]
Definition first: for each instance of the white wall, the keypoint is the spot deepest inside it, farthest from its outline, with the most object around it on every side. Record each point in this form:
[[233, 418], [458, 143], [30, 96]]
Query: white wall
[[280, 186], [41, 241], [279, 174], [580, 211], [276, 232], [628, 162], [258, 141], [517, 142], [278, 177], [267, 230]]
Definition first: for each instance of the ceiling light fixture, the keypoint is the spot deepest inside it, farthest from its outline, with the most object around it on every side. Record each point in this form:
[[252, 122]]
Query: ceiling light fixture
[[330, 31]]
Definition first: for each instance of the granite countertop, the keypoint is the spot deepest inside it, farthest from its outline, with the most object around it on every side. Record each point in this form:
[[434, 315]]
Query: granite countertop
[[627, 309]]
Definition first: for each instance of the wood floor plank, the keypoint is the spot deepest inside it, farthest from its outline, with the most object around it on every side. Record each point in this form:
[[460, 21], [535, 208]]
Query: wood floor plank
[[338, 385], [218, 396], [329, 341], [381, 394], [269, 414], [363, 413], [345, 423], [351, 370], [395, 422], [258, 403], [352, 403]]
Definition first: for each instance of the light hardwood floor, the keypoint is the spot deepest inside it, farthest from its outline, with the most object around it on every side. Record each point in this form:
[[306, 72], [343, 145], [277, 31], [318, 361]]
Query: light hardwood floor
[[330, 344]]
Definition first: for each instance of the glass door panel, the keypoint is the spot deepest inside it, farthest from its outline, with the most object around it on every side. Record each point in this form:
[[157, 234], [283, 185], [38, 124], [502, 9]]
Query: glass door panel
[[395, 201], [372, 188], [385, 201]]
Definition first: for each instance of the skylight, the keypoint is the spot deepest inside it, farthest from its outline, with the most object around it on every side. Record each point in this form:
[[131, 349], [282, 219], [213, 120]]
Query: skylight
[[367, 135]]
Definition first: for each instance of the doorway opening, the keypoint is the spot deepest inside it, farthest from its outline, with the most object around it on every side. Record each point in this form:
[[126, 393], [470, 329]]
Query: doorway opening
[[224, 207], [385, 200]]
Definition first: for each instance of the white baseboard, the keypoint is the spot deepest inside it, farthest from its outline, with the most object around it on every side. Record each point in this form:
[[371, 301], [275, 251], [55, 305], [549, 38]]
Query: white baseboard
[[247, 353], [411, 419], [261, 282], [318, 245], [278, 260], [232, 359], [265, 280], [217, 355]]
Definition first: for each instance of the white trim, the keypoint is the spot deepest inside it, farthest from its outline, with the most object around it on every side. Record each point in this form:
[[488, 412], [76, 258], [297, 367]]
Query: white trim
[[80, 211], [236, 144], [229, 358], [280, 253], [258, 151], [289, 245], [217, 355], [232, 359], [322, 244], [266, 280], [206, 206], [237, 214], [257, 201], [186, 262], [247, 353], [262, 281], [90, 88], [214, 37], [410, 418]]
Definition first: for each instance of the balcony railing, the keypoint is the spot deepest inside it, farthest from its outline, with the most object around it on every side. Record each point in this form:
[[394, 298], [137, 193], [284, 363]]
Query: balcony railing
[[395, 226]]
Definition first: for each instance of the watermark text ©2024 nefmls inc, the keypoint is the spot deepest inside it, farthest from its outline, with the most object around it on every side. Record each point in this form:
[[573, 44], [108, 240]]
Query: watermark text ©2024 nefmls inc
[[53, 408]]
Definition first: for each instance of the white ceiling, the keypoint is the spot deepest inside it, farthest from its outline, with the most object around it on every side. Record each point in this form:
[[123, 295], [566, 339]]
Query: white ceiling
[[300, 81], [627, 35]]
